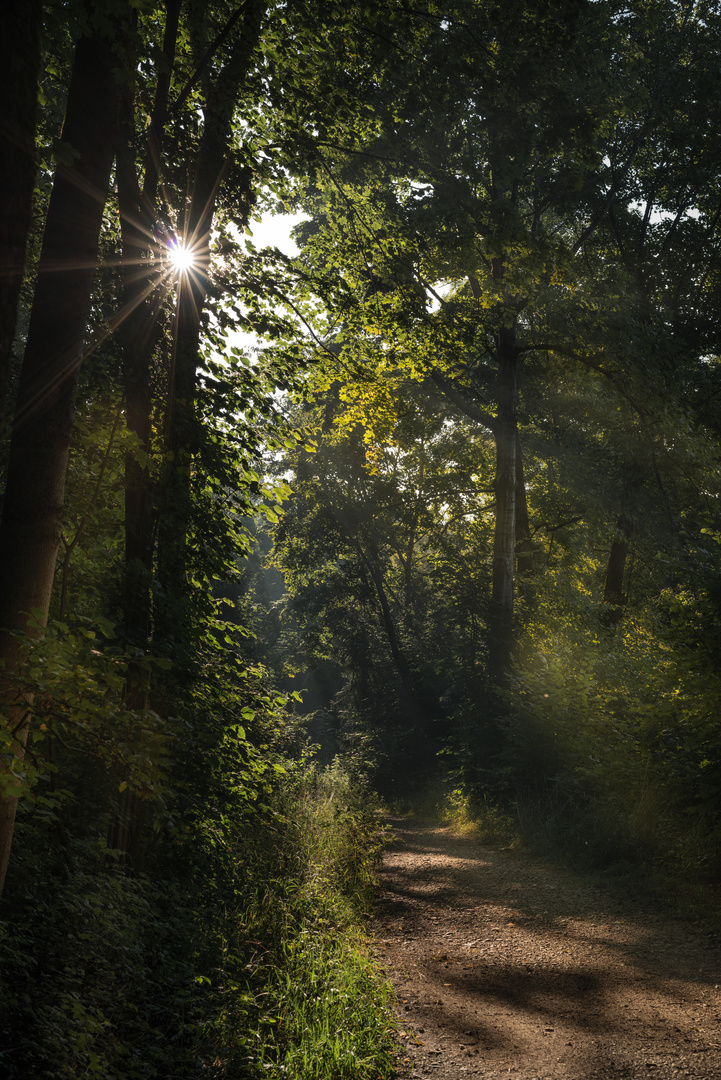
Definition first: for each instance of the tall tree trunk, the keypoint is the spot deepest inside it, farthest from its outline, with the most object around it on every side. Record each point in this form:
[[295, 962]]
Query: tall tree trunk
[[524, 544], [371, 563], [19, 71], [145, 289], [143, 296], [614, 597], [183, 435], [141, 302], [32, 511], [137, 337], [171, 616], [506, 434]]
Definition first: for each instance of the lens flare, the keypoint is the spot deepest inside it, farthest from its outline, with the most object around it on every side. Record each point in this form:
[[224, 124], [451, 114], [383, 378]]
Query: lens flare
[[181, 258]]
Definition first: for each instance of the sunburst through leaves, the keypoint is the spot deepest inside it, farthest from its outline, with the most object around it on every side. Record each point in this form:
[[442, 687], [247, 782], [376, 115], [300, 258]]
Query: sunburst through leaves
[[181, 258]]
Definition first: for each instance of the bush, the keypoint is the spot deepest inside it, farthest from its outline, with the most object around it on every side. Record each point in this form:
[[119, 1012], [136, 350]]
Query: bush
[[241, 955], [481, 818], [312, 1002]]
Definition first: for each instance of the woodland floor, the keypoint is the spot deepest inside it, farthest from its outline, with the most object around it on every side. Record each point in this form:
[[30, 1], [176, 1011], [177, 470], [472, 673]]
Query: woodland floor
[[504, 965]]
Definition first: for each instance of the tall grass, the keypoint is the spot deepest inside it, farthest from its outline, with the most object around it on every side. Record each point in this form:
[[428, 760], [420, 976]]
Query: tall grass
[[241, 956], [481, 818], [313, 1004]]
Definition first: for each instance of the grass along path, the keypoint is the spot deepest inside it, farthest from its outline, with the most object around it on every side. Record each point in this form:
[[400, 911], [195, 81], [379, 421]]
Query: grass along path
[[507, 966]]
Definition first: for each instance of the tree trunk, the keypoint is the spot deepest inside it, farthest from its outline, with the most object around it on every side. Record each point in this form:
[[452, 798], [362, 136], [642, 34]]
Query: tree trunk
[[144, 292], [524, 544], [137, 337], [19, 71], [32, 511], [143, 296], [613, 595], [506, 435], [182, 440], [371, 563], [182, 444]]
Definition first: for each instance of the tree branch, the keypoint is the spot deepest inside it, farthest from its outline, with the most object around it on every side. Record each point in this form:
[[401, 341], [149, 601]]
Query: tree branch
[[211, 51], [462, 404]]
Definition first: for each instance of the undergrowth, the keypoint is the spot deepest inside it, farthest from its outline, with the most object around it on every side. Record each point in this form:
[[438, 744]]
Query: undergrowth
[[313, 1004], [655, 867], [611, 853], [241, 956], [481, 818]]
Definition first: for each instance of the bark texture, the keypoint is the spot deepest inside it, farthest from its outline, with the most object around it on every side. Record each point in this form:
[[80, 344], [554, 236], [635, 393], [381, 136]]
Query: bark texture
[[182, 439], [524, 544], [19, 71], [32, 511], [142, 298], [614, 596], [506, 435]]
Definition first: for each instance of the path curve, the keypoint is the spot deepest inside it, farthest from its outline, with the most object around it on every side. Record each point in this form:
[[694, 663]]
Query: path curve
[[505, 966]]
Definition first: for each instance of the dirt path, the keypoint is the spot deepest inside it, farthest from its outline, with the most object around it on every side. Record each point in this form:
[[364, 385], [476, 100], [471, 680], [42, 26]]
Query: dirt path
[[505, 966]]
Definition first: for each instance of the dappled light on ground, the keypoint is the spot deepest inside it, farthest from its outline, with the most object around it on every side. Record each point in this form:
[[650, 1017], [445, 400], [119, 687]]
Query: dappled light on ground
[[506, 966]]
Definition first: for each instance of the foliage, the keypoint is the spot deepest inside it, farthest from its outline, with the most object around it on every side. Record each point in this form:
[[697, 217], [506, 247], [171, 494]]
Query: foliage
[[612, 734], [375, 547], [69, 692], [493, 204], [244, 957], [496, 353], [485, 821], [313, 1003], [97, 969]]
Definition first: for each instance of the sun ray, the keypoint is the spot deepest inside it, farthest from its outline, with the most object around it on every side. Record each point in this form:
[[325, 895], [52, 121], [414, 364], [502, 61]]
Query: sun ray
[[181, 258]]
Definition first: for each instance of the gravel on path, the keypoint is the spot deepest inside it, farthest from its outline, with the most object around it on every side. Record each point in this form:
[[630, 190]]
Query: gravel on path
[[505, 966]]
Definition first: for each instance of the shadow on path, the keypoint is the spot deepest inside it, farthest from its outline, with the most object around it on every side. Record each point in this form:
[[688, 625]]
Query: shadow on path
[[505, 965]]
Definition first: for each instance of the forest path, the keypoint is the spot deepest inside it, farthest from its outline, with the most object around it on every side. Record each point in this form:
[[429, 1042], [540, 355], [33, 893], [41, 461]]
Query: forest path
[[506, 966]]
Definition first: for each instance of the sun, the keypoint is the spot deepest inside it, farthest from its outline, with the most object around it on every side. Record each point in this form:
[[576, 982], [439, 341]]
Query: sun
[[181, 258]]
